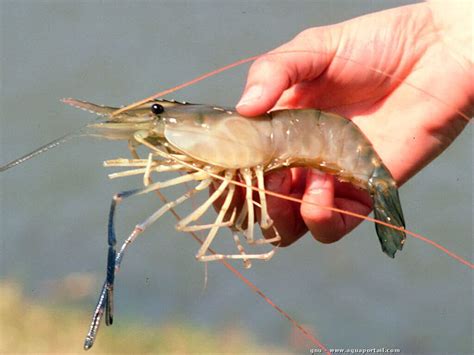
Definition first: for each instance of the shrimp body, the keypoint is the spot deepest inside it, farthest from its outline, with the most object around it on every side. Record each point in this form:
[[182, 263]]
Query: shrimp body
[[287, 138], [222, 139]]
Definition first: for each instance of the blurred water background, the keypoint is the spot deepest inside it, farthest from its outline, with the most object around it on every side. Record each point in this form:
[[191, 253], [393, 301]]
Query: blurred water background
[[54, 208]]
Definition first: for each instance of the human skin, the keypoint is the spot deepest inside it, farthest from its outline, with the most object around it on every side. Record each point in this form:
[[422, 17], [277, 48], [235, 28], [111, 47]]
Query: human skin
[[427, 45]]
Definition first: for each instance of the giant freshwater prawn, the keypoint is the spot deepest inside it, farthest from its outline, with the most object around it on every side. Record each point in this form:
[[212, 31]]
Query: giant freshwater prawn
[[182, 137]]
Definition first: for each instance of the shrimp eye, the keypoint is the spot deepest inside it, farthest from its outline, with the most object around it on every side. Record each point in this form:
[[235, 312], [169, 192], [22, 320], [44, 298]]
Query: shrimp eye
[[157, 109]]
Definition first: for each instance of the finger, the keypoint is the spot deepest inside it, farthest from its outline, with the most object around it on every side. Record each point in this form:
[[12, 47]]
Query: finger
[[325, 225], [352, 199], [324, 190], [303, 58]]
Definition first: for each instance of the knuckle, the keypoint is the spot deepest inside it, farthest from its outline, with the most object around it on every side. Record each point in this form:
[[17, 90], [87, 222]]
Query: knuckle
[[305, 35], [266, 64]]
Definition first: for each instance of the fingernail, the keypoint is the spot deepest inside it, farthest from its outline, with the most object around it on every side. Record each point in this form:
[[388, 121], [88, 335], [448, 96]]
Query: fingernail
[[317, 181], [251, 95]]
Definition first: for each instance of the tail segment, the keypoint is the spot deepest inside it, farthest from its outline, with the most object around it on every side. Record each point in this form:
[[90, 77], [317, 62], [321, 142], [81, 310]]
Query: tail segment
[[387, 208]]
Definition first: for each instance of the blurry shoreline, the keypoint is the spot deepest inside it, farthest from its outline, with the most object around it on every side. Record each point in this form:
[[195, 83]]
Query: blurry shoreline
[[28, 326]]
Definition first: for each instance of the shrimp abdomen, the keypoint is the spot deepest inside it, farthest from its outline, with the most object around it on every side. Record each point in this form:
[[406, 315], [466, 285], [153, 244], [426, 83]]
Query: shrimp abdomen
[[334, 144]]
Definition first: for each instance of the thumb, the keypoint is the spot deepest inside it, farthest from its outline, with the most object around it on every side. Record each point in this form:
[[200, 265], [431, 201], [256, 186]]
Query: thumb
[[303, 58]]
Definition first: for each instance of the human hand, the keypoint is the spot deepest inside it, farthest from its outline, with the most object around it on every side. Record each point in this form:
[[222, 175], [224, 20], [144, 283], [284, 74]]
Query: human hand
[[359, 69]]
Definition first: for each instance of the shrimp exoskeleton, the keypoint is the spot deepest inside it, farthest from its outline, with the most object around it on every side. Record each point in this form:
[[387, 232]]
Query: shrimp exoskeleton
[[208, 142]]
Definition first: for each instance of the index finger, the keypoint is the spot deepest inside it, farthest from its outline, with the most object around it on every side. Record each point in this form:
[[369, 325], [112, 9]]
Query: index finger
[[303, 58]]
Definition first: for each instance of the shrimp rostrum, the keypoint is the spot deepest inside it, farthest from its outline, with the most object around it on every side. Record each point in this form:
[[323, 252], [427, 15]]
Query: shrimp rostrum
[[213, 143]]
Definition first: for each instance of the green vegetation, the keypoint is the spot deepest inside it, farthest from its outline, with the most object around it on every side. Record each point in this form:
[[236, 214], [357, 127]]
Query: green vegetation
[[29, 327]]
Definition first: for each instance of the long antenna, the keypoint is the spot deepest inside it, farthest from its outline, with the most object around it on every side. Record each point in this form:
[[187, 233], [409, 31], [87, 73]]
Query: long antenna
[[42, 149]]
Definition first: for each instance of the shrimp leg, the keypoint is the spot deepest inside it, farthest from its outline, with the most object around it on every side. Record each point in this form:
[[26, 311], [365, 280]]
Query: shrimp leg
[[111, 240], [106, 296], [201, 255], [197, 227], [266, 220], [198, 212], [157, 167], [247, 175], [213, 232]]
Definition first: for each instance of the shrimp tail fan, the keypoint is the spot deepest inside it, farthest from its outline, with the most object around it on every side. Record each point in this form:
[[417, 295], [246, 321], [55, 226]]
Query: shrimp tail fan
[[387, 208]]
